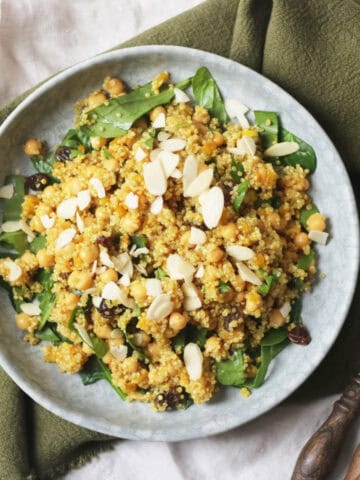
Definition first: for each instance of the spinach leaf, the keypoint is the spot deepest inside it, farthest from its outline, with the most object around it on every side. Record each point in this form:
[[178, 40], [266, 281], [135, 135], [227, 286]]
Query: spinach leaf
[[16, 295], [129, 332], [224, 287], [72, 319], [236, 170], [295, 312], [99, 346], [305, 156], [17, 240], [50, 334], [178, 342], [270, 280], [94, 370], [269, 122], [306, 260], [207, 94], [240, 195], [74, 139], [160, 274], [139, 241], [118, 114], [47, 297], [12, 206], [43, 165], [231, 372], [38, 243], [190, 333], [148, 137], [305, 214]]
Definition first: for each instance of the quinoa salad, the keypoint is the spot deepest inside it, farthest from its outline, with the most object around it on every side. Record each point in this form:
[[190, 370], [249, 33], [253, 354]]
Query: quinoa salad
[[163, 246]]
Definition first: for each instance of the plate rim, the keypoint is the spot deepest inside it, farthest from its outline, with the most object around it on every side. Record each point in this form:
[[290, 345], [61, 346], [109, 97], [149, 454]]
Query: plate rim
[[36, 393]]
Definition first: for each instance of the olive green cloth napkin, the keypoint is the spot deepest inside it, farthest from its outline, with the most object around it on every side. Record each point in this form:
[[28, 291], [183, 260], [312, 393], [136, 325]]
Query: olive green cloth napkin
[[309, 47]]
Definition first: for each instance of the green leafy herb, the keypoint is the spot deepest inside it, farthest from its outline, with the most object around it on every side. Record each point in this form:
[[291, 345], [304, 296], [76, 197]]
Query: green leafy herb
[[178, 342], [74, 139], [190, 333], [129, 332], [47, 297], [17, 297], [16, 240], [240, 195], [270, 280], [236, 170], [305, 214], [43, 165], [306, 260], [148, 137], [99, 346], [139, 241], [224, 287], [305, 156], [72, 319], [160, 274], [274, 202], [38, 243], [137, 311], [295, 312], [106, 153], [50, 334], [95, 370], [231, 372], [269, 122], [207, 94], [12, 206]]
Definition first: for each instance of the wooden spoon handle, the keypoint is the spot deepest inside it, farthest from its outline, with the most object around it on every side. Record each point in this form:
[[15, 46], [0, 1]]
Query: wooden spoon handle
[[354, 470], [320, 453]]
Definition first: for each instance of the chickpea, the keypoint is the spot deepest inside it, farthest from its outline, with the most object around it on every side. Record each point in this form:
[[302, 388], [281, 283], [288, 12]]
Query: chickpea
[[103, 331], [138, 291], [218, 139], [36, 224], [141, 339], [229, 231], [276, 319], [95, 99], [209, 147], [32, 147], [109, 275], [114, 86], [215, 255], [155, 112], [24, 321], [45, 258], [177, 321], [253, 302], [80, 280], [316, 221], [102, 214], [89, 253], [301, 240], [130, 364], [154, 350], [71, 300], [97, 142]]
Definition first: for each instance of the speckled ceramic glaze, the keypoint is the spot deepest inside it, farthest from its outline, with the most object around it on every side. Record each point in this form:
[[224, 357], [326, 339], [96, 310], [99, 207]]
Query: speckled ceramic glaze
[[48, 114]]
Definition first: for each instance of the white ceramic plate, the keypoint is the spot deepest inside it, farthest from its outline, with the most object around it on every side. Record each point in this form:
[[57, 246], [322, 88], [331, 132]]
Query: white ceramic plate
[[48, 114]]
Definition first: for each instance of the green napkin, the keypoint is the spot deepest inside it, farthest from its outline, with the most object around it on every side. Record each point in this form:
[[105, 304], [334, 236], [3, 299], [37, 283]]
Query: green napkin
[[309, 48]]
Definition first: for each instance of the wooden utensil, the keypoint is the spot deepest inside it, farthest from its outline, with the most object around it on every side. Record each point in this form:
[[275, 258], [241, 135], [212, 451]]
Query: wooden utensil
[[320, 453], [354, 470]]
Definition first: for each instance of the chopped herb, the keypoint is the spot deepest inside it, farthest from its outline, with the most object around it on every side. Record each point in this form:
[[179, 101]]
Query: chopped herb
[[240, 195], [106, 153], [224, 287], [38, 243], [139, 241], [305, 214], [306, 260], [207, 94], [270, 280], [231, 372], [13, 205], [236, 171], [137, 311], [160, 274], [269, 123]]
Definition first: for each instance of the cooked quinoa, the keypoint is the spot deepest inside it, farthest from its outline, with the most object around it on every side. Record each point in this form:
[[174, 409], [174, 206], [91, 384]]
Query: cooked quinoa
[[164, 252]]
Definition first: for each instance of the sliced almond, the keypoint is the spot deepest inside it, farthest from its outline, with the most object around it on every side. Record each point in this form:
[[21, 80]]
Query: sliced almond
[[125, 280], [178, 268], [25, 228], [132, 201], [15, 271], [105, 259], [240, 253], [111, 291], [173, 144], [281, 149], [31, 308], [243, 121], [154, 178], [94, 267], [157, 205], [48, 222], [189, 171], [140, 154], [191, 297], [153, 287], [119, 352], [98, 187], [169, 162], [318, 236], [212, 206], [83, 199], [11, 226], [96, 301], [160, 121], [193, 360], [197, 236], [176, 174], [200, 184], [123, 264], [163, 136], [246, 145], [139, 251], [160, 307], [285, 309], [154, 154], [67, 208], [235, 108], [248, 275], [200, 272], [79, 223], [65, 238], [7, 191], [180, 96], [83, 334]]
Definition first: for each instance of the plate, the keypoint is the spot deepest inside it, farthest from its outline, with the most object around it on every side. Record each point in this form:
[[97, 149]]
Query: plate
[[47, 114]]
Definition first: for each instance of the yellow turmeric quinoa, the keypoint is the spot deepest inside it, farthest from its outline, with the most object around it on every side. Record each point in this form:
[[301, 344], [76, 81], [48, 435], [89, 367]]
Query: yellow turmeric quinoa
[[166, 254]]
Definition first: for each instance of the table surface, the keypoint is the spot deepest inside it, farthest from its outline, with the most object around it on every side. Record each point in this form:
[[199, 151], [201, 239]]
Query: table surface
[[40, 37]]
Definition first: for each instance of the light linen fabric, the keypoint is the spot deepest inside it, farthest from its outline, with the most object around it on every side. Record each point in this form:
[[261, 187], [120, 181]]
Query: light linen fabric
[[40, 37]]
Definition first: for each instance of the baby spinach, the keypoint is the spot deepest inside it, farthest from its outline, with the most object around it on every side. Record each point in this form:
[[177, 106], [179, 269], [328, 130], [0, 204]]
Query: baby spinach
[[306, 260], [224, 287], [46, 297], [74, 139], [44, 165], [94, 370], [12, 206], [16, 240], [50, 334], [305, 156], [270, 280], [140, 241], [240, 195], [236, 171], [38, 243], [305, 214], [178, 342], [269, 123], [231, 372], [99, 346], [190, 333], [207, 94]]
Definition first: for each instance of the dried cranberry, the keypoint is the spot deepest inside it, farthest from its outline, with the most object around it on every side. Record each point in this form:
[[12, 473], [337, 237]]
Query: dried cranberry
[[299, 335], [235, 314], [107, 242], [63, 153], [110, 312], [38, 181]]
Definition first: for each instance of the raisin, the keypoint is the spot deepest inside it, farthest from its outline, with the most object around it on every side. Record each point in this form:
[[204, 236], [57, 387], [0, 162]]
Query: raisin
[[171, 400], [110, 312], [63, 153], [38, 181], [236, 312], [299, 335], [107, 242]]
